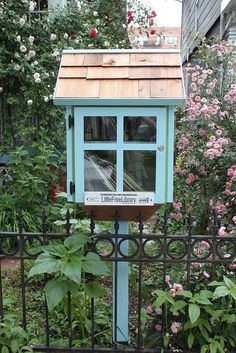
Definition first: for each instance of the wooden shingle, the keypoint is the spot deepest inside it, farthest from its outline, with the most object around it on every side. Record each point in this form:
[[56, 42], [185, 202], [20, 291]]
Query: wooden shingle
[[120, 74]]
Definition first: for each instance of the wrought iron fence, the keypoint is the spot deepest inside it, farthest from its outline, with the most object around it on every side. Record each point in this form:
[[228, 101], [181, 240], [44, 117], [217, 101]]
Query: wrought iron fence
[[151, 258]]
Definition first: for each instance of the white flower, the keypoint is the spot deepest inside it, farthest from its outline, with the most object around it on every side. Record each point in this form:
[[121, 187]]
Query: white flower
[[78, 5], [47, 74], [18, 38], [17, 67], [38, 80], [97, 22], [23, 49], [55, 53], [46, 99], [51, 96], [17, 55], [95, 13], [31, 39], [1, 89], [31, 8], [35, 62], [77, 41], [22, 21], [31, 54], [66, 35], [24, 1], [123, 25], [30, 102], [53, 36], [36, 75]]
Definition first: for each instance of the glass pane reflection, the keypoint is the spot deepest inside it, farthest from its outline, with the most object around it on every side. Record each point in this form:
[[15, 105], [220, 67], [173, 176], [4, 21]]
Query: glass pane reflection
[[140, 128], [139, 170], [99, 170], [100, 128]]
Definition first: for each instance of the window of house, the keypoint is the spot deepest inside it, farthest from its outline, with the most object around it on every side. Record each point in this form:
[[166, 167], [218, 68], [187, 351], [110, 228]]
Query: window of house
[[171, 40]]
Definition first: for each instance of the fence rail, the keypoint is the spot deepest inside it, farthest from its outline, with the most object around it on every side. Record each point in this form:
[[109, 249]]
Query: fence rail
[[149, 256]]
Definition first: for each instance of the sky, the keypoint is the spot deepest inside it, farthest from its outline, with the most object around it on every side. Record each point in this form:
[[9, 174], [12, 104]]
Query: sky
[[168, 12]]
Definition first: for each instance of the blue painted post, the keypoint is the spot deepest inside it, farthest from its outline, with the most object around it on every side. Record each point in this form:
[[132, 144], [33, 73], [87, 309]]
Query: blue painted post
[[121, 293]]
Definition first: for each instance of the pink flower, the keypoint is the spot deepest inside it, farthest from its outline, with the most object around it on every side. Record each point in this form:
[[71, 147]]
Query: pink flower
[[93, 32], [234, 219], [175, 327], [159, 311], [222, 232], [158, 327], [206, 274], [149, 310], [167, 278]]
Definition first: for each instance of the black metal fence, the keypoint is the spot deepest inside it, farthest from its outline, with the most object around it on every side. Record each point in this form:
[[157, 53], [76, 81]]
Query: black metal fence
[[152, 259]]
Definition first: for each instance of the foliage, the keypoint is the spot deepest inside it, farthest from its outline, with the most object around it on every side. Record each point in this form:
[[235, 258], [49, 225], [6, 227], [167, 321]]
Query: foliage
[[194, 320], [13, 338], [205, 158], [30, 50], [27, 184], [68, 263]]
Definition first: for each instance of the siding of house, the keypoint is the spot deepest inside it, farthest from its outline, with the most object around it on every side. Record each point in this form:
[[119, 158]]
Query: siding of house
[[198, 18]]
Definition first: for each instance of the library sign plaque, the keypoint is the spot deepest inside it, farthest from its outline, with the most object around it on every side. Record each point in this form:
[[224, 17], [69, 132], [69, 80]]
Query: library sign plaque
[[119, 198]]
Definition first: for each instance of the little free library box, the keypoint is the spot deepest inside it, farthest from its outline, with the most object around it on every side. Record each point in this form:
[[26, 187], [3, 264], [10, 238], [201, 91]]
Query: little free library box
[[120, 128]]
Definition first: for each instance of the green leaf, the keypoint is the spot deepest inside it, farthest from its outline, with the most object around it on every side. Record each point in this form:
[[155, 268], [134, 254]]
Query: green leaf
[[72, 268], [204, 348], [206, 293], [180, 304], [194, 312], [233, 293], [14, 346], [166, 340], [143, 318], [55, 250], [55, 291], [221, 291], [76, 242], [44, 263], [159, 301], [4, 349], [95, 290], [230, 284], [190, 340], [204, 301], [185, 293], [215, 283], [93, 264], [213, 347]]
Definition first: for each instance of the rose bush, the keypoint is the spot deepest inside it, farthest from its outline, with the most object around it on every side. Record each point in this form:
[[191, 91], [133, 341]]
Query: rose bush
[[205, 140]]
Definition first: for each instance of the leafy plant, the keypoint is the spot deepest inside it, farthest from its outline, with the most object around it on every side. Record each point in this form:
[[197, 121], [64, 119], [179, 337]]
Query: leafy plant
[[197, 318], [68, 264], [13, 338]]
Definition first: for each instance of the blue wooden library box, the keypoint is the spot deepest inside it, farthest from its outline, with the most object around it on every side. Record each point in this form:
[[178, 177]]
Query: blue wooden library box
[[120, 128]]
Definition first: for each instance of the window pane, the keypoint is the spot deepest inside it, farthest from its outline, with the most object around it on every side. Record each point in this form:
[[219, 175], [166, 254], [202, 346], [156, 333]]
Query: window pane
[[140, 128], [100, 128], [99, 170], [139, 170]]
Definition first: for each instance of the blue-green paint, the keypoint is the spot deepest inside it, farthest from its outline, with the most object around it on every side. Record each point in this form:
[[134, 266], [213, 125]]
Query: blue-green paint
[[70, 154], [120, 146], [121, 327], [122, 102], [170, 156]]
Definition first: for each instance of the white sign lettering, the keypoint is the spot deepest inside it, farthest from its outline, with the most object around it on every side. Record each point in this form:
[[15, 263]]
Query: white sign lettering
[[119, 198]]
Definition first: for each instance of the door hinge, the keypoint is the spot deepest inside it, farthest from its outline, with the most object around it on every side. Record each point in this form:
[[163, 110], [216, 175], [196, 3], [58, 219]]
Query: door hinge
[[72, 187], [71, 121]]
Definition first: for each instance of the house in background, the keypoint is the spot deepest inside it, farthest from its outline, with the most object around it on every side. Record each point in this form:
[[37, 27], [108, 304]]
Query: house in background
[[156, 38], [205, 18]]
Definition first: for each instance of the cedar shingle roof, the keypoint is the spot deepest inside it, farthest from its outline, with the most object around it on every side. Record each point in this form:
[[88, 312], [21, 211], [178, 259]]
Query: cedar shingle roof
[[123, 74]]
